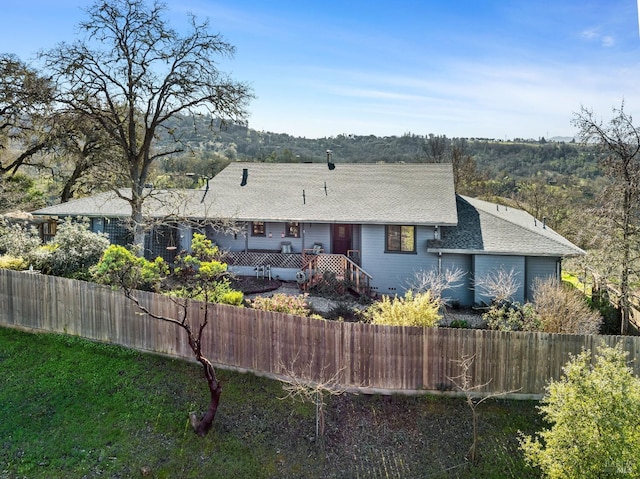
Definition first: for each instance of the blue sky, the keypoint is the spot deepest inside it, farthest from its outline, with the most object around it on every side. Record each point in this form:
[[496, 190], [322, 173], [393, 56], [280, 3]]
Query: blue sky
[[470, 68]]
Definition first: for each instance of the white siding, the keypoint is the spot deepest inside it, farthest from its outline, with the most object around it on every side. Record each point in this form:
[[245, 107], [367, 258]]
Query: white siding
[[485, 265]]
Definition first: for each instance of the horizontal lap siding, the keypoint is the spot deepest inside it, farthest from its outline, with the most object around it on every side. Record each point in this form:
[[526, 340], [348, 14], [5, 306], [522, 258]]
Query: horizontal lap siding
[[539, 268], [356, 355], [393, 273], [486, 265]]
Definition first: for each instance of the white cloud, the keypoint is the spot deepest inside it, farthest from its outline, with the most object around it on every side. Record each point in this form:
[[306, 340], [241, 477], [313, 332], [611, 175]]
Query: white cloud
[[608, 41]]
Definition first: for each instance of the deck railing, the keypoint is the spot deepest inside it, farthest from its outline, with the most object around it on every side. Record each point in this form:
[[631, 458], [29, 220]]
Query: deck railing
[[339, 265], [314, 266], [264, 258]]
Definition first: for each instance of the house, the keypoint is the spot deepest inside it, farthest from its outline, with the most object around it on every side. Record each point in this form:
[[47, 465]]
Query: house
[[377, 225]]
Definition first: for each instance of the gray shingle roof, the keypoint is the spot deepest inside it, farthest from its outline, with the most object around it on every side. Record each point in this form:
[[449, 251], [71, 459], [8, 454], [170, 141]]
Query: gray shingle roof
[[160, 203], [486, 228], [351, 193], [421, 194]]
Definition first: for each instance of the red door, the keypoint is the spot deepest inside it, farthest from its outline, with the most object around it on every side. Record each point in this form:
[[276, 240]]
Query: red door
[[341, 239]]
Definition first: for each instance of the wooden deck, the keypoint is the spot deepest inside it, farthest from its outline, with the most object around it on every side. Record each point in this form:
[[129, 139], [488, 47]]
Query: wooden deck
[[311, 266]]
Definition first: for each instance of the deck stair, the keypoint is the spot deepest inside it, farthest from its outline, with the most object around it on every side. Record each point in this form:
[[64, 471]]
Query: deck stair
[[344, 269]]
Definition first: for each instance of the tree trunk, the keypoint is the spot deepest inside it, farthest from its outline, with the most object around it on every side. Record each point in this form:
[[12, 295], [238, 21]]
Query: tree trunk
[[202, 426], [137, 223]]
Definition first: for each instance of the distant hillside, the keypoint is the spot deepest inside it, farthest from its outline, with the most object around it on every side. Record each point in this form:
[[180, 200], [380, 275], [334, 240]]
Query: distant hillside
[[494, 158]]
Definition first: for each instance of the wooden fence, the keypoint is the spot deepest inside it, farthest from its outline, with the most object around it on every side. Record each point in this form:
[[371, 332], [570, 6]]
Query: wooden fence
[[357, 356]]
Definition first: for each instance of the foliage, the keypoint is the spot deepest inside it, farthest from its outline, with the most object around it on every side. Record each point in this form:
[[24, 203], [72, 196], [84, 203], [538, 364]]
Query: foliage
[[132, 72], [563, 309], [459, 323], [202, 275], [74, 249], [594, 426], [18, 239], [12, 262], [618, 143], [219, 292], [120, 268], [330, 286], [555, 308], [419, 309], [512, 316], [283, 303], [25, 98], [18, 192]]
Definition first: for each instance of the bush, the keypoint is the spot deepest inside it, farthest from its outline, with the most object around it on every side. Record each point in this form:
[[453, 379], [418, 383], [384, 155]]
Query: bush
[[563, 309], [217, 292], [594, 426], [330, 286], [12, 262], [459, 323], [283, 303], [512, 316], [421, 309], [121, 268], [72, 252], [202, 276], [18, 240]]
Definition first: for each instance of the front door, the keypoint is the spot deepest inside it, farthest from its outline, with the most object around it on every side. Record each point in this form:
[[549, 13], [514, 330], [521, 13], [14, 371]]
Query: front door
[[341, 239]]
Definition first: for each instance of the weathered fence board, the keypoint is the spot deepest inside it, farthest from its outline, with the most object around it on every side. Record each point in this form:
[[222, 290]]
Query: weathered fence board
[[354, 355]]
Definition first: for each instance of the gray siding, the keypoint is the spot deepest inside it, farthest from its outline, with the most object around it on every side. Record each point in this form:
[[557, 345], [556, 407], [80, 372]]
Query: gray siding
[[461, 292], [393, 273], [539, 268], [229, 242], [310, 233], [317, 233], [485, 265]]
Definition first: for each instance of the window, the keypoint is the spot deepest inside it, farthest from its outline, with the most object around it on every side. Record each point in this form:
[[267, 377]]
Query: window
[[258, 228], [401, 239], [48, 230], [292, 230]]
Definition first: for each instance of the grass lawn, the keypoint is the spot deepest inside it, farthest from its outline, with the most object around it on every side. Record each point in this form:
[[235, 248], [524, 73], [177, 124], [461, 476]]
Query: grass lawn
[[71, 408]]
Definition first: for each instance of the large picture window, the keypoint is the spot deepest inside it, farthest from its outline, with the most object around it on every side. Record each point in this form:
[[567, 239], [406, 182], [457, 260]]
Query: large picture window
[[258, 229], [401, 239], [292, 230]]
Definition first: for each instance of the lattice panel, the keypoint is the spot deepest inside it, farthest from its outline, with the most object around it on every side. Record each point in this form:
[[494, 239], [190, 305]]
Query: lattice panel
[[275, 260]]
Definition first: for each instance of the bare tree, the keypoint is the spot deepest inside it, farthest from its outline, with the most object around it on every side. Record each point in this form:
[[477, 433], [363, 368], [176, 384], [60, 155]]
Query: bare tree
[[465, 172], [132, 73], [499, 284], [435, 148], [619, 142], [464, 383], [298, 387], [437, 282]]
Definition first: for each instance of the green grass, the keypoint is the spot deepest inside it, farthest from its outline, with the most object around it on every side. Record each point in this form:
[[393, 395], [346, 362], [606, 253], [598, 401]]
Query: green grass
[[73, 408]]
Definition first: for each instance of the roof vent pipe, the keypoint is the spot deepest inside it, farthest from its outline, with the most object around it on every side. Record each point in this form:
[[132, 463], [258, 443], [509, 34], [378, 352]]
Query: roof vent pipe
[[245, 175], [544, 222], [330, 164]]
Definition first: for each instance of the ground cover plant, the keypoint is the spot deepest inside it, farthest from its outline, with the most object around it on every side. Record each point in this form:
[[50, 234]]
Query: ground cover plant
[[73, 408]]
